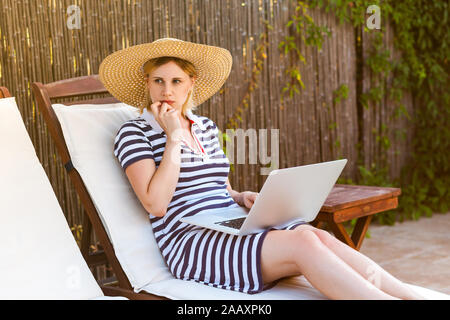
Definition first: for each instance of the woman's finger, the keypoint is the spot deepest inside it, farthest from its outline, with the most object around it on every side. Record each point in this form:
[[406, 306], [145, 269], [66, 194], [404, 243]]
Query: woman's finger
[[154, 107], [251, 198], [163, 109], [248, 201]]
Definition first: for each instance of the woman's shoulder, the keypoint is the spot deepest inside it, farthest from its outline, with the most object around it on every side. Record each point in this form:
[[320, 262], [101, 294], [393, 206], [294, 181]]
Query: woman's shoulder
[[133, 123], [135, 130], [136, 126], [207, 122]]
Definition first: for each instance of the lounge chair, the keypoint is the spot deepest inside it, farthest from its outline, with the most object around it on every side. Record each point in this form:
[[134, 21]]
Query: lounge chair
[[39, 258], [84, 132]]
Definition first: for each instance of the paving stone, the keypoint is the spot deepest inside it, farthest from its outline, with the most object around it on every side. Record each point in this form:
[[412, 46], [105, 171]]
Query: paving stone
[[417, 252]]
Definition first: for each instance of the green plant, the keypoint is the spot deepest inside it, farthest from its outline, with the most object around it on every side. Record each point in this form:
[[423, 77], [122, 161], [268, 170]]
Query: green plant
[[340, 93], [422, 37], [301, 28]]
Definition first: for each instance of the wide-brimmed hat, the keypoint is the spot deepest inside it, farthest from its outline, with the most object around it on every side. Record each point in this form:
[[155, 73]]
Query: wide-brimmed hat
[[122, 71]]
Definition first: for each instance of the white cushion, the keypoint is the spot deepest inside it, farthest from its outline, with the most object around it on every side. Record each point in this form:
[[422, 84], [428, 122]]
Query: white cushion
[[89, 131], [110, 298], [294, 288], [39, 258], [428, 293]]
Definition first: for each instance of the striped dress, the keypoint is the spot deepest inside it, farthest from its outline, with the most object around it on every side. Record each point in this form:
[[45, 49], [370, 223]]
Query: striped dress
[[191, 252]]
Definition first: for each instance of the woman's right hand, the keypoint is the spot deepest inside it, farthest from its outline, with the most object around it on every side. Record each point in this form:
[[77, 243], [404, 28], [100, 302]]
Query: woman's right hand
[[169, 119]]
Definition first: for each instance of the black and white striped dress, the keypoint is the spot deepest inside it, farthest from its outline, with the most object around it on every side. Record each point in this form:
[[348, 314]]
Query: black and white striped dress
[[194, 253]]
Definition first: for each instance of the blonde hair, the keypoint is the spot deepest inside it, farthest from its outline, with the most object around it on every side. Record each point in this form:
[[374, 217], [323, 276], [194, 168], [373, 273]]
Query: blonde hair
[[185, 65]]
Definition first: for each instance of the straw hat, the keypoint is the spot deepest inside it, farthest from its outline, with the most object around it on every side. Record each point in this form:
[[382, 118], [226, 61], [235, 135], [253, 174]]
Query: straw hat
[[122, 71]]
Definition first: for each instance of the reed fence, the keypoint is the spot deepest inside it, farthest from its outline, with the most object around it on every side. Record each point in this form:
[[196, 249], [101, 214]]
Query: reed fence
[[36, 44]]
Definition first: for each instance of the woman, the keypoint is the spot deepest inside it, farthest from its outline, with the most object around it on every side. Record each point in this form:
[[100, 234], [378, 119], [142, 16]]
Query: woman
[[176, 167]]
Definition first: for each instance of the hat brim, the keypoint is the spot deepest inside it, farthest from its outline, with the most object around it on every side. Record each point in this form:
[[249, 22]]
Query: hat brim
[[121, 72]]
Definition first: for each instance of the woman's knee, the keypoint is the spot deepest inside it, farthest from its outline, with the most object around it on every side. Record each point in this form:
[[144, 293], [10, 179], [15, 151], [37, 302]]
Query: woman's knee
[[328, 239], [306, 239], [324, 236], [309, 248]]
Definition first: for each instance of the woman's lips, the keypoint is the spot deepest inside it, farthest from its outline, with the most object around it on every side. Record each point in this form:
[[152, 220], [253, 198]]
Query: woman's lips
[[168, 101]]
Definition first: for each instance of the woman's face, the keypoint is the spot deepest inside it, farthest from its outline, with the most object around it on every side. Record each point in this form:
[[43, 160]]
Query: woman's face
[[169, 83]]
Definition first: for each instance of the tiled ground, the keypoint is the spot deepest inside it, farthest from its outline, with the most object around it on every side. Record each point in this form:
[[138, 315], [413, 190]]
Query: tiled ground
[[417, 252]]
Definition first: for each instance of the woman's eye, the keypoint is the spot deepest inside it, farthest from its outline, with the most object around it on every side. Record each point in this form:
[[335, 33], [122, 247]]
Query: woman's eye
[[176, 81], [158, 80]]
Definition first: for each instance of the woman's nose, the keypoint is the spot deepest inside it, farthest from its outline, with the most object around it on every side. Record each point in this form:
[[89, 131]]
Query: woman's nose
[[167, 90]]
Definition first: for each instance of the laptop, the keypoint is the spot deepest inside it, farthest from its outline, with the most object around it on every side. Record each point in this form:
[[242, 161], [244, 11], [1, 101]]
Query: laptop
[[288, 195]]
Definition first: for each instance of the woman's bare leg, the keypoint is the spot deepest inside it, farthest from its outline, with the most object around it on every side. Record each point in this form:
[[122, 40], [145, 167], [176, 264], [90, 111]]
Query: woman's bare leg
[[365, 266], [291, 252]]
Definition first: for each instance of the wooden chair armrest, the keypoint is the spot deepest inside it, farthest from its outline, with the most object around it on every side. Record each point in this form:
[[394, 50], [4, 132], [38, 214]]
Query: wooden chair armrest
[[4, 93]]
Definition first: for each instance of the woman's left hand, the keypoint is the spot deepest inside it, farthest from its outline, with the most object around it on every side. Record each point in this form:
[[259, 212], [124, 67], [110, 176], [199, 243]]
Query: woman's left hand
[[248, 198]]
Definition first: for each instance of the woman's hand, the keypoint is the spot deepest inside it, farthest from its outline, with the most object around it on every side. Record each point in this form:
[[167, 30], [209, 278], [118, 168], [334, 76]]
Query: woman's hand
[[169, 119], [247, 198]]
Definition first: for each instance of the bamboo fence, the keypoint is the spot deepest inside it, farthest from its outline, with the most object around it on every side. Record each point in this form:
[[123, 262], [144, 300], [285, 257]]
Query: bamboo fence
[[37, 45]]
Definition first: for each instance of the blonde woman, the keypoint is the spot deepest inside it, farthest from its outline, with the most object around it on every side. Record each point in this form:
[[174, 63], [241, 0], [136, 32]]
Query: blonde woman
[[177, 168]]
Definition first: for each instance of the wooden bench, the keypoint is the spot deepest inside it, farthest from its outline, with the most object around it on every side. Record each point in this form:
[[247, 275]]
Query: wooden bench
[[347, 202]]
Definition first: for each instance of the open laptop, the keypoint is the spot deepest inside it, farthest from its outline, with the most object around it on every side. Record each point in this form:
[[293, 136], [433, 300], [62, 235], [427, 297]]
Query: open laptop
[[288, 195]]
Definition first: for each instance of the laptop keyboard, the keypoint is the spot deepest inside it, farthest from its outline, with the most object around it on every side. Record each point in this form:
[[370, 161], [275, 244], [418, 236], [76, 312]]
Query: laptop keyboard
[[233, 223]]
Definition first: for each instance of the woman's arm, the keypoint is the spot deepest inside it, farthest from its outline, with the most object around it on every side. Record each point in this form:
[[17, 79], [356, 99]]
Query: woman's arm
[[155, 187], [237, 197]]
